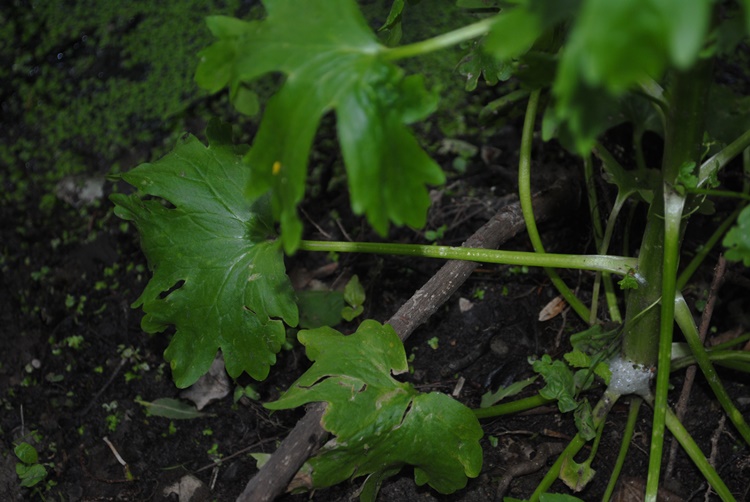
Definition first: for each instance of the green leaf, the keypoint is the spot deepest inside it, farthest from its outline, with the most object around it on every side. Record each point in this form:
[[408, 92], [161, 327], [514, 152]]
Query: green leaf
[[578, 359], [613, 46], [576, 475], [170, 408], [30, 475], [381, 424], [559, 382], [584, 420], [327, 46], [490, 398], [216, 276], [686, 178], [319, 308], [477, 63], [26, 453], [354, 293], [517, 29], [737, 240], [392, 27]]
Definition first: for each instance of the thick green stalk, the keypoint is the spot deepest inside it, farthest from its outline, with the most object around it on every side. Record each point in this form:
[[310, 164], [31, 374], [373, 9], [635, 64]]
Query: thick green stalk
[[640, 341], [615, 264], [683, 145], [524, 197], [673, 205]]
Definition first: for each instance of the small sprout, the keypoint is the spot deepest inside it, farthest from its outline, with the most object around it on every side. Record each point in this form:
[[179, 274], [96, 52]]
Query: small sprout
[[74, 341], [214, 450], [437, 234], [112, 422], [433, 342], [29, 470], [516, 270]]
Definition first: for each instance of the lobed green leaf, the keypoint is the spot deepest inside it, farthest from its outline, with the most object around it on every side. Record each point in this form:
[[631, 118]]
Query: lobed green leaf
[[332, 61], [381, 424], [218, 278]]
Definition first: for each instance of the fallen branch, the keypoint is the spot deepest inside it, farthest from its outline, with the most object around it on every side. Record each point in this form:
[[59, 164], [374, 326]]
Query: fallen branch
[[308, 435]]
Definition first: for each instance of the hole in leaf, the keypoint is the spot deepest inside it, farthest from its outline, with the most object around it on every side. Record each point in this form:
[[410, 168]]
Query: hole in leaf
[[168, 292]]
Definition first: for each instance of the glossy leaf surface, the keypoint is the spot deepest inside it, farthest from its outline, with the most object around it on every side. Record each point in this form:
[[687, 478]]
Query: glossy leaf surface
[[332, 61], [217, 278], [380, 423]]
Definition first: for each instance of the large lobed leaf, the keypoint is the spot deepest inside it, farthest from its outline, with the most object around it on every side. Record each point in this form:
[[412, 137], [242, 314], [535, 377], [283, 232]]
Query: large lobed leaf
[[332, 61], [216, 275], [381, 424]]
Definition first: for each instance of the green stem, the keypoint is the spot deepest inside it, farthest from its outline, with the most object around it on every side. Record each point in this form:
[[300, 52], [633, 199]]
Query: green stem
[[719, 193], [697, 456], [691, 267], [596, 222], [439, 42], [683, 145], [710, 167], [517, 406], [599, 413], [738, 360], [684, 319], [615, 264], [627, 437], [524, 196], [673, 205]]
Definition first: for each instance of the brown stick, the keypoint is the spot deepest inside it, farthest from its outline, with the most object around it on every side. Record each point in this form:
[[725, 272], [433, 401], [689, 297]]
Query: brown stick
[[308, 435]]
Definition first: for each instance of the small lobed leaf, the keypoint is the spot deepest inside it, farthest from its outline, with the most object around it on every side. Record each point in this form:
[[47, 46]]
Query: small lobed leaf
[[218, 278], [559, 381], [381, 424], [327, 46], [478, 63]]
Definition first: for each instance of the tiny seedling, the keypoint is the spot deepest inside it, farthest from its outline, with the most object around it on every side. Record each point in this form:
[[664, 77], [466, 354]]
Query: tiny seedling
[[28, 469]]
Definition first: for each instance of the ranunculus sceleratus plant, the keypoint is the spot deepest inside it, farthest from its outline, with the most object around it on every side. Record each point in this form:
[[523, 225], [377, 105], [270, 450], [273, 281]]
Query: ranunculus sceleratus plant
[[580, 68]]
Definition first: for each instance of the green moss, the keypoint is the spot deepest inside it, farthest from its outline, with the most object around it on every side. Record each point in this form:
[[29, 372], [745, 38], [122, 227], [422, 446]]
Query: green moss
[[93, 82]]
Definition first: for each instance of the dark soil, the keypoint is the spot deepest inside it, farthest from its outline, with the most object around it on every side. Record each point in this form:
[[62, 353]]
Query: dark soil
[[62, 398], [74, 361]]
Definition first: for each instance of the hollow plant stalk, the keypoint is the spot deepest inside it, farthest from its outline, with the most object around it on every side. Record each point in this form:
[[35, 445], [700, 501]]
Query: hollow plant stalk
[[647, 338]]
